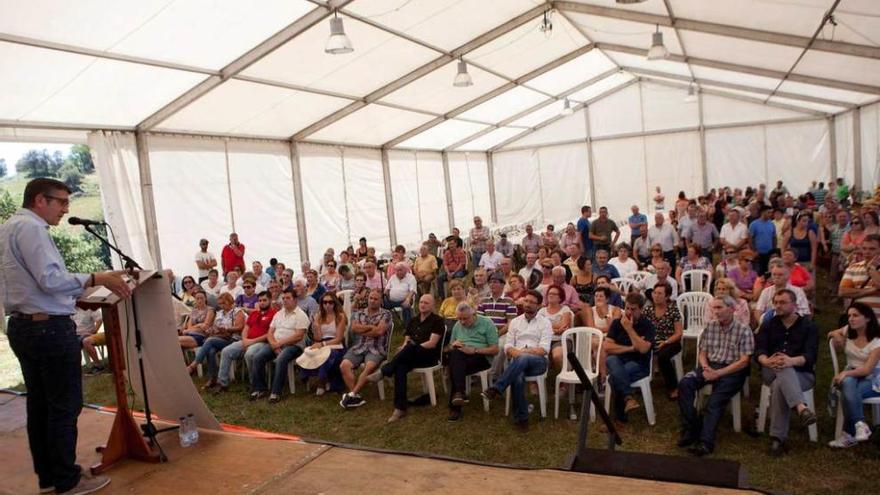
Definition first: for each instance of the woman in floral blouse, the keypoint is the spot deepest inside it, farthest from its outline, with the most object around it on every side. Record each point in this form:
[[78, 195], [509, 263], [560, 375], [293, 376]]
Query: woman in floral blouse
[[666, 318]]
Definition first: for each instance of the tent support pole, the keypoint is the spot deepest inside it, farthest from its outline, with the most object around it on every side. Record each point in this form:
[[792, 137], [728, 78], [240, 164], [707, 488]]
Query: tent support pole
[[228, 184], [832, 147], [147, 199], [389, 198], [296, 176], [490, 170], [590, 159], [703, 168], [447, 184], [857, 148]]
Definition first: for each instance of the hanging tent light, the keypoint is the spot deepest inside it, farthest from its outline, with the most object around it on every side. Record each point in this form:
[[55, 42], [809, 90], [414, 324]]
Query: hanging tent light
[[462, 78], [546, 26], [338, 43], [628, 2], [658, 50], [692, 94], [566, 108]]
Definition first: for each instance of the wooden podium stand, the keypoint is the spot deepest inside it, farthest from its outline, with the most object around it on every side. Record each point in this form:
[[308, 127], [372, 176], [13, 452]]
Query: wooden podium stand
[[126, 439]]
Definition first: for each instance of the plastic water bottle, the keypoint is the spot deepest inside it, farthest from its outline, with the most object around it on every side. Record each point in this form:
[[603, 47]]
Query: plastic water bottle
[[182, 432], [193, 432]]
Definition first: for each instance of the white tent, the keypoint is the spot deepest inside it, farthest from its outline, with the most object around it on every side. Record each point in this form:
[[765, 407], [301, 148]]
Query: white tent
[[207, 116]]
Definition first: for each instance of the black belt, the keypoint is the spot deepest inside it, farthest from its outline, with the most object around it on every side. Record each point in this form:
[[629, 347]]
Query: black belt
[[36, 316]]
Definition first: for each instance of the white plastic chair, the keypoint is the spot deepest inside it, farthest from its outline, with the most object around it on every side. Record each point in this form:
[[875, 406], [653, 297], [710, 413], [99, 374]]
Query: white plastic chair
[[697, 280], [764, 405], [381, 383], [639, 276], [693, 312], [427, 373], [484, 381], [874, 402], [345, 295], [582, 340], [541, 380], [626, 285], [735, 401], [644, 385]]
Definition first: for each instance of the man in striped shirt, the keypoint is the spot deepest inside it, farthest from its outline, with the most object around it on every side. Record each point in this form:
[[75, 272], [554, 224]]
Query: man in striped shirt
[[501, 310], [861, 280]]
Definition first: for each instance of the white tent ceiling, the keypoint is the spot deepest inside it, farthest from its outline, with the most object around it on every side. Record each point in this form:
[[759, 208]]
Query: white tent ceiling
[[230, 68]]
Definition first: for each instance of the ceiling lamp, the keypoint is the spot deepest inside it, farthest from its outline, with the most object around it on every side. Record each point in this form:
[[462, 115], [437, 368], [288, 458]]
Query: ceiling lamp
[[462, 78], [692, 94], [566, 108], [627, 2], [338, 42], [658, 50], [546, 26]]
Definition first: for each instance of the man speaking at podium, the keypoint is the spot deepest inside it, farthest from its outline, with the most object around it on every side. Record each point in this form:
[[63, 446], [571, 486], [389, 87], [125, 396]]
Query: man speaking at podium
[[39, 295]]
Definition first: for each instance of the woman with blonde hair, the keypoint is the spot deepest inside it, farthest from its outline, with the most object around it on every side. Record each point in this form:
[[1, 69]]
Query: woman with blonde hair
[[449, 305], [228, 324]]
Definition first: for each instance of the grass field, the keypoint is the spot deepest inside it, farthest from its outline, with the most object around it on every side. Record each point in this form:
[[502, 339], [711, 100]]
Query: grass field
[[810, 468]]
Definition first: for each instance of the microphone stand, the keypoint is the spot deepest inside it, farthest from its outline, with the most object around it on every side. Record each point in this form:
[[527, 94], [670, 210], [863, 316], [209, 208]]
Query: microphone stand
[[149, 429]]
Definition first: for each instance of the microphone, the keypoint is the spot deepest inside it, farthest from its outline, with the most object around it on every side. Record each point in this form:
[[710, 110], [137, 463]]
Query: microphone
[[84, 222]]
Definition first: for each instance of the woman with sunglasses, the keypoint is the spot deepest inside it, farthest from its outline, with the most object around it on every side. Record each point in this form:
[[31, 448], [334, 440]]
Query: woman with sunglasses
[[328, 328], [657, 258], [852, 240], [188, 289], [228, 324], [200, 320]]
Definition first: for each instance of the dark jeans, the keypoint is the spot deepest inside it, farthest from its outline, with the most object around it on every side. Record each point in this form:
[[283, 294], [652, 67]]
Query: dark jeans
[[762, 261], [282, 359], [671, 258], [460, 366], [406, 313], [667, 367], [444, 277], [723, 389], [49, 354], [622, 371], [412, 356], [515, 375]]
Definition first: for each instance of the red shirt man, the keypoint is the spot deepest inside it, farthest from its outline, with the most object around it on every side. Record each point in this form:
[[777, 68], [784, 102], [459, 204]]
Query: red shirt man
[[258, 322], [232, 255]]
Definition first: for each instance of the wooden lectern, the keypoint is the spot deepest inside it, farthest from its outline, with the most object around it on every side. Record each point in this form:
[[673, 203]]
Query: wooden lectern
[[126, 439]]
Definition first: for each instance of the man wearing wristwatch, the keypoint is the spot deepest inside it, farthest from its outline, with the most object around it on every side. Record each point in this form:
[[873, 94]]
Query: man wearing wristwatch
[[40, 294], [473, 343]]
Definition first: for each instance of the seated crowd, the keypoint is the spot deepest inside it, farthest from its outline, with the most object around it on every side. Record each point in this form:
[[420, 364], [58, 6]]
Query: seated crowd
[[735, 271]]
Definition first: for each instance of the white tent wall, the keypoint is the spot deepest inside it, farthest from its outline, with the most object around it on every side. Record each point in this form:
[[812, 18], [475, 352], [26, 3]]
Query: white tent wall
[[870, 134], [419, 194], [469, 185], [672, 161], [796, 153], [191, 194], [261, 186], [518, 188], [843, 135], [324, 201], [620, 176]]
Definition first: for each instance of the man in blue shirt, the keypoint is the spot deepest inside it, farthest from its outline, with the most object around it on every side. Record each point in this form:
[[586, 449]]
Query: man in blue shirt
[[583, 227], [636, 220], [40, 294], [762, 236]]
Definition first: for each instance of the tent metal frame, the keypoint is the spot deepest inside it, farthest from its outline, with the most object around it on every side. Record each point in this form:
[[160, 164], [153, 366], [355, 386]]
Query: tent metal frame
[[324, 9]]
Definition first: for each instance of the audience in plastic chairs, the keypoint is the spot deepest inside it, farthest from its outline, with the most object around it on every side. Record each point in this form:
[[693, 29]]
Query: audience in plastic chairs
[[371, 328], [561, 318], [199, 323], [328, 330], [473, 343], [253, 339], [286, 338], [228, 323], [726, 287]]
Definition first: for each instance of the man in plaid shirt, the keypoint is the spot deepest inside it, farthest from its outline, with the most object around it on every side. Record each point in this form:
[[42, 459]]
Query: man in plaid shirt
[[726, 347]]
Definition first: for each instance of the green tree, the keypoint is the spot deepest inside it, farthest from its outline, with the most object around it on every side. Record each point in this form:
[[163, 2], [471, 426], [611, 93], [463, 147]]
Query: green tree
[[71, 175], [81, 253], [81, 156], [8, 206], [39, 163], [3, 168]]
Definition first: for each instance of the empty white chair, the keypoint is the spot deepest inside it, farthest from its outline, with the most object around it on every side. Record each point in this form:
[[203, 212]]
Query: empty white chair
[[626, 285], [345, 296], [693, 312], [639, 277], [874, 402], [644, 386], [696, 280], [581, 341], [427, 373]]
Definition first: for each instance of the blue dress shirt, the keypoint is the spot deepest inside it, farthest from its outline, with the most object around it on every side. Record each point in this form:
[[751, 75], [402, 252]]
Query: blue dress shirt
[[33, 278]]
